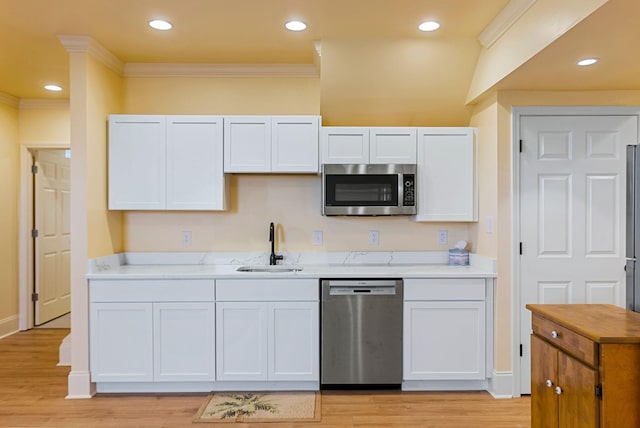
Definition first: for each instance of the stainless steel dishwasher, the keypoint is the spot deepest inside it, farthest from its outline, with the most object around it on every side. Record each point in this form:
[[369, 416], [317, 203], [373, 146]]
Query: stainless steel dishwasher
[[361, 339]]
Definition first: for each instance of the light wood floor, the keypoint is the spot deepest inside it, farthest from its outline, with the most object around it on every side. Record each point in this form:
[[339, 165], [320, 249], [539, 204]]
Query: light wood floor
[[32, 391]]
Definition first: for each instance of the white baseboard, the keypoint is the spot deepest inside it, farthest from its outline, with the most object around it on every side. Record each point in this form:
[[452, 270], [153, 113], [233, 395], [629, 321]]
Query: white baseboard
[[501, 384], [80, 385], [64, 352], [9, 326]]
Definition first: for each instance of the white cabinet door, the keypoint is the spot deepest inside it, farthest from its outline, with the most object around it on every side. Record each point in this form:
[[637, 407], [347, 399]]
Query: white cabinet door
[[121, 342], [446, 177], [293, 341], [247, 144], [241, 341], [294, 143], [137, 162], [344, 145], [392, 145], [444, 340], [195, 177], [183, 342]]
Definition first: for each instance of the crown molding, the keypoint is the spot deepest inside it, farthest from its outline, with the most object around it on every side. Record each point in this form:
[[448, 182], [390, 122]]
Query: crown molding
[[219, 70], [8, 100], [86, 44], [503, 21], [43, 104]]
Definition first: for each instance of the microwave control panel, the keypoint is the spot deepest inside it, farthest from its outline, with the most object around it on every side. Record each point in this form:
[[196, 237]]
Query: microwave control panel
[[409, 195]]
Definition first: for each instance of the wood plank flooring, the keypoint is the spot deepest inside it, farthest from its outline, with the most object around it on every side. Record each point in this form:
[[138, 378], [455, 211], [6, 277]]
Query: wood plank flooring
[[32, 391]]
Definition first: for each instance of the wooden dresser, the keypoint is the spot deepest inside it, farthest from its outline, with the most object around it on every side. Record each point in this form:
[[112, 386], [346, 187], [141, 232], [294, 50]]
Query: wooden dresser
[[585, 366]]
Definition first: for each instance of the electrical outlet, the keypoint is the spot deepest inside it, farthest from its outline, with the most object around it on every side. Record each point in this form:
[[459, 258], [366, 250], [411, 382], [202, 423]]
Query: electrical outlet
[[317, 237], [374, 237], [186, 238], [443, 237]]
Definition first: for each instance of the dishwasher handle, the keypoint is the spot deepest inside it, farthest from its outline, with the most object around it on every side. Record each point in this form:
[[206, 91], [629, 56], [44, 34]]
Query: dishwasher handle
[[379, 290]]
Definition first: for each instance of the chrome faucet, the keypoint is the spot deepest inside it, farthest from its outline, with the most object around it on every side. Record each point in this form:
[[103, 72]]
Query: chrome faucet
[[273, 259]]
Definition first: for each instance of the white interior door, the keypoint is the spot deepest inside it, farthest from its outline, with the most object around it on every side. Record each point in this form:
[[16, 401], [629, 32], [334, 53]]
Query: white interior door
[[572, 213], [52, 245]]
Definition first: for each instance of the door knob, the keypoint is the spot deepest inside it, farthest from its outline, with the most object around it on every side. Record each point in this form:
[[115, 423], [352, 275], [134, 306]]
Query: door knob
[[555, 334], [549, 383], [558, 390]]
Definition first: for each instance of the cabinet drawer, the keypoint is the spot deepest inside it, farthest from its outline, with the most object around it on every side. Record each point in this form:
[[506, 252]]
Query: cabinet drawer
[[257, 290], [151, 290], [573, 343], [444, 289]]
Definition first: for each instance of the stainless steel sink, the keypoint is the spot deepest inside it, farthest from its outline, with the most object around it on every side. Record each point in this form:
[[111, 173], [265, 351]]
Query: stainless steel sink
[[276, 268]]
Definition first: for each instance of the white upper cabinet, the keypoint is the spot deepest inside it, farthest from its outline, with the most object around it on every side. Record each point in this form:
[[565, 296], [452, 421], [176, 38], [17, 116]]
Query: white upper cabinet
[[166, 163], [294, 143], [392, 145], [262, 144], [247, 144], [344, 145], [380, 145], [137, 162], [195, 180], [446, 177]]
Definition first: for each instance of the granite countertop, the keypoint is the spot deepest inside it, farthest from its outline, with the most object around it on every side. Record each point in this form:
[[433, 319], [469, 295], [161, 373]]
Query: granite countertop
[[335, 265]]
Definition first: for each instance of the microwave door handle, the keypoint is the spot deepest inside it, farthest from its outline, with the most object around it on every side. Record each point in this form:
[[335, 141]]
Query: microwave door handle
[[400, 189]]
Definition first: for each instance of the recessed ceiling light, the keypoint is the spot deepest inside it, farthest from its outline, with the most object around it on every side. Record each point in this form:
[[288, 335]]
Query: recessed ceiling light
[[53, 88], [295, 26], [587, 61], [160, 24], [429, 26]]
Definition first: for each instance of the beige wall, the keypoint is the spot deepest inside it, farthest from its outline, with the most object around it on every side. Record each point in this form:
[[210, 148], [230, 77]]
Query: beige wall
[[383, 82], [293, 202], [9, 179], [104, 228], [44, 124]]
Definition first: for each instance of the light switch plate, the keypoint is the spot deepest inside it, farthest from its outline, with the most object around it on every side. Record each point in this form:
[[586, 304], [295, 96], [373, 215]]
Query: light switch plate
[[317, 237]]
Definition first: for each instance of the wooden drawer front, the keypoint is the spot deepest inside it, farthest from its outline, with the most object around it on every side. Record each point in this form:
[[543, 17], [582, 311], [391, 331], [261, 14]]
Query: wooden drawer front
[[444, 289], [575, 344]]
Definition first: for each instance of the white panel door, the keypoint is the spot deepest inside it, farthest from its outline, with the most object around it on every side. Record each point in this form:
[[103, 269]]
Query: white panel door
[[392, 145], [572, 213], [446, 177], [293, 341], [241, 341], [344, 145], [294, 143], [444, 340], [247, 144], [52, 246], [121, 342], [137, 162], [195, 177]]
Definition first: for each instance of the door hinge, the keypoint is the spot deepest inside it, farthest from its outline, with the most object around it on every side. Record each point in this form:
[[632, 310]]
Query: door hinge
[[34, 233], [521, 248], [521, 146], [34, 297], [521, 350], [599, 391], [34, 169]]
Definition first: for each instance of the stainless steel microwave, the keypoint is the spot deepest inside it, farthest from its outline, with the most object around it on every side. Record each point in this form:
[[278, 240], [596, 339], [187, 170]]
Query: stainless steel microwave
[[363, 189]]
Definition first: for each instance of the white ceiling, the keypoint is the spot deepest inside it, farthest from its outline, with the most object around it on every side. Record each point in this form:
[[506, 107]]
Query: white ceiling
[[251, 32]]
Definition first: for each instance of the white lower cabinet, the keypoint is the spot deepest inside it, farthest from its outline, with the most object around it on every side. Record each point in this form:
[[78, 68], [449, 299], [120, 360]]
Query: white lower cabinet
[[183, 343], [444, 329], [140, 332], [268, 330], [121, 341]]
